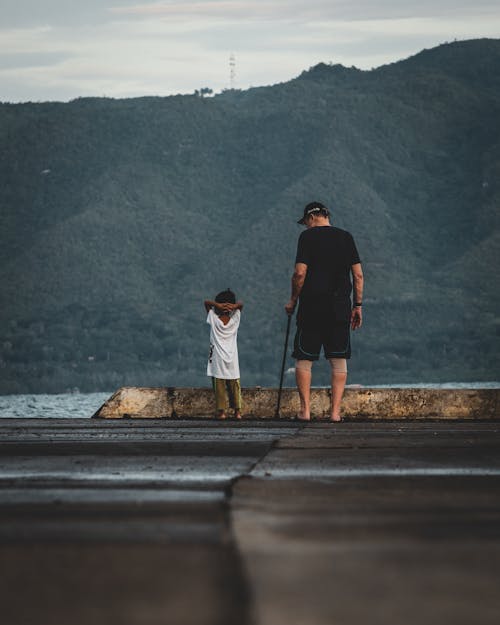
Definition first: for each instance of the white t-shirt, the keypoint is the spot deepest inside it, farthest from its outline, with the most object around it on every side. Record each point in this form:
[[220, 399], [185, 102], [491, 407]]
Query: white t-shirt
[[223, 358]]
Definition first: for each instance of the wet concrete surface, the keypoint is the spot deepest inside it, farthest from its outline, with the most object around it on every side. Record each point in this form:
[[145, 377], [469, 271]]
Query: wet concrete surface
[[374, 523], [123, 523], [251, 523]]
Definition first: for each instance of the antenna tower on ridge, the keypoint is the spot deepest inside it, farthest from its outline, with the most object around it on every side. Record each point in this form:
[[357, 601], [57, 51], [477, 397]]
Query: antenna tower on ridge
[[232, 71]]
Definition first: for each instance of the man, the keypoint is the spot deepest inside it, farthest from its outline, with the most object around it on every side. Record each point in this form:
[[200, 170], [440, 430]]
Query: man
[[326, 258]]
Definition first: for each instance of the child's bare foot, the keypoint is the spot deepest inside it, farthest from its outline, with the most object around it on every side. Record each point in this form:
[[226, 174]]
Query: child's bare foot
[[221, 414], [237, 414]]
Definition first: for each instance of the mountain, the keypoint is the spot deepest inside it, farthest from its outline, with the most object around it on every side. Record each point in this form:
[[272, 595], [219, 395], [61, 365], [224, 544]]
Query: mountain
[[118, 217]]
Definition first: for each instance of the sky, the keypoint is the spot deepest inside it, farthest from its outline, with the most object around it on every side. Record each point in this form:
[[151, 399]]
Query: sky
[[63, 49]]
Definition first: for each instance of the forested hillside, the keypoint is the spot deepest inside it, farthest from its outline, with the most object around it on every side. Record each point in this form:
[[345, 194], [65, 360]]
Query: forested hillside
[[118, 217]]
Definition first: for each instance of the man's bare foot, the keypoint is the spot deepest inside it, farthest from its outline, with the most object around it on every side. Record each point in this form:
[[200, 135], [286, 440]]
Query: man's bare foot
[[237, 414], [303, 417], [221, 414], [336, 418]]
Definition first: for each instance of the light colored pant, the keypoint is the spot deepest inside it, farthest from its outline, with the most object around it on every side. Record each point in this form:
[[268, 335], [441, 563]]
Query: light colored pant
[[225, 388]]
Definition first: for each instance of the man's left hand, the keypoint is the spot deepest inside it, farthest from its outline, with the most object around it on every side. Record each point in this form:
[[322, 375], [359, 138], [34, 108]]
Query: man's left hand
[[290, 307]]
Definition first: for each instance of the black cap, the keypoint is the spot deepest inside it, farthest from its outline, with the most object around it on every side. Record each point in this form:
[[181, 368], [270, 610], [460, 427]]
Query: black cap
[[314, 208]]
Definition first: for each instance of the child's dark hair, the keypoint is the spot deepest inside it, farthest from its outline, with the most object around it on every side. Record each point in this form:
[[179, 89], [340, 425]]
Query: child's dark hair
[[226, 297]]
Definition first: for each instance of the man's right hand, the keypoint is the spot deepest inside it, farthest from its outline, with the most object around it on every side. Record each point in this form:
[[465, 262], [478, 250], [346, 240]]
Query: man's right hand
[[290, 307], [356, 318]]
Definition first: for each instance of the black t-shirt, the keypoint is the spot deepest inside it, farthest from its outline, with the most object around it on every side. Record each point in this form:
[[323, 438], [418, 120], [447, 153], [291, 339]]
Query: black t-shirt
[[329, 253]]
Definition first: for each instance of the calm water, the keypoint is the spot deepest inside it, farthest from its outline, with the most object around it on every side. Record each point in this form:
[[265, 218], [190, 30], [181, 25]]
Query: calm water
[[67, 405], [81, 405]]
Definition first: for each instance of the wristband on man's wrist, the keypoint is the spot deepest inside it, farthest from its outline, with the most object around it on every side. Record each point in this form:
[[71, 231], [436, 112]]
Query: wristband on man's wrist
[[357, 304]]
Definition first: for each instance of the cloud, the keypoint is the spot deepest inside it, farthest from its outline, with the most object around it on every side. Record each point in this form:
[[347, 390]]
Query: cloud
[[29, 13], [301, 10], [31, 59], [227, 9], [129, 48]]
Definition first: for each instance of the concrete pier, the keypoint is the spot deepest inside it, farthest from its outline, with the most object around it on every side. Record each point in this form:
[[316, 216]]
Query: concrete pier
[[149, 522], [358, 403]]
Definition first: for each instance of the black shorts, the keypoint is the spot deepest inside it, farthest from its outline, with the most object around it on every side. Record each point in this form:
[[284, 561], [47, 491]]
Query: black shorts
[[334, 337]]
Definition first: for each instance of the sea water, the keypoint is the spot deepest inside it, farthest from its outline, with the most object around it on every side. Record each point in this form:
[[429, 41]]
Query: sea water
[[83, 405], [67, 405]]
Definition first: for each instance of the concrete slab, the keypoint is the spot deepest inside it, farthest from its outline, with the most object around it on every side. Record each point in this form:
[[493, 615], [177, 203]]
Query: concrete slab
[[122, 525], [402, 434], [144, 430], [379, 582], [254, 523], [122, 584], [375, 525], [336, 463], [120, 470], [84, 454]]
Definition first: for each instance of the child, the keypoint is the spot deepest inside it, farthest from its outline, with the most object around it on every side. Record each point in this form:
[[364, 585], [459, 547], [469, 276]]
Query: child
[[223, 367]]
